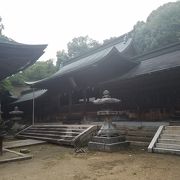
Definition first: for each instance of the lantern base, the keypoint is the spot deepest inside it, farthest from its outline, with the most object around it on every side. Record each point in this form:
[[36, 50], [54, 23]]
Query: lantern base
[[108, 144]]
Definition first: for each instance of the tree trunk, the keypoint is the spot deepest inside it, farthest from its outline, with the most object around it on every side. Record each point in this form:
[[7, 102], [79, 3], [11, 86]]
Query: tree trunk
[[1, 145]]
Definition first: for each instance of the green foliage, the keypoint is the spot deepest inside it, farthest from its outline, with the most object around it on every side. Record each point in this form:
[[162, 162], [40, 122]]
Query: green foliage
[[76, 47], [81, 45], [161, 28], [3, 128], [37, 71], [17, 79], [5, 85], [62, 56], [1, 26], [3, 38], [3, 132], [106, 41]]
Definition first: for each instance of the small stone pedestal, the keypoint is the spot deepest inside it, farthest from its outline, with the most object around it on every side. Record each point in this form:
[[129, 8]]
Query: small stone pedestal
[[108, 138], [108, 144], [16, 119]]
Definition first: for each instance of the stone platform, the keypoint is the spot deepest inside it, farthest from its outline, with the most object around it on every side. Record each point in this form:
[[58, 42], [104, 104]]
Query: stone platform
[[22, 143], [11, 156], [108, 144]]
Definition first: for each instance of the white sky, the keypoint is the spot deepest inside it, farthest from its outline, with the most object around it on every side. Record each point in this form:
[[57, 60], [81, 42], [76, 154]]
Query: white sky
[[56, 22]]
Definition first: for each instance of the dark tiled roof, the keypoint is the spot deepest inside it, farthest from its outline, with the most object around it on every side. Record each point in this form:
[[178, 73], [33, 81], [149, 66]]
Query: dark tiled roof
[[88, 60], [15, 57], [159, 63], [158, 52]]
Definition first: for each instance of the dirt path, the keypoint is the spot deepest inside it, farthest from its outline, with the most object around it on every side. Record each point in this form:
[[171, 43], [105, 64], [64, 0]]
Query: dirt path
[[53, 162]]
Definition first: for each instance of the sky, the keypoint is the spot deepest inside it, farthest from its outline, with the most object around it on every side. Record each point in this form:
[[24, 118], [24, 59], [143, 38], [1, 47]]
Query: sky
[[56, 22]]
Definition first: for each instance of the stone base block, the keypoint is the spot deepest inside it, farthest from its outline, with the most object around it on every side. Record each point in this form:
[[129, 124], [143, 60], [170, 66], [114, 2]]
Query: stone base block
[[108, 140], [97, 146]]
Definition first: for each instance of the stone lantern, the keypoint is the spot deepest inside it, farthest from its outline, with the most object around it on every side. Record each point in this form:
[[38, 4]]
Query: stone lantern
[[16, 117], [108, 138], [16, 114]]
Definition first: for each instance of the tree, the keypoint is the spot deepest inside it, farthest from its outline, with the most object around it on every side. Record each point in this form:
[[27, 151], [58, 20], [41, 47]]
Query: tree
[[17, 79], [106, 41], [5, 85], [37, 71], [76, 47], [81, 45], [62, 57], [161, 28], [1, 26], [2, 134]]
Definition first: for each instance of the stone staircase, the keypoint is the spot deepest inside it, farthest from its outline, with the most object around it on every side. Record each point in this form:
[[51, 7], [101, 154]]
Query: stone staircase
[[140, 137], [136, 133], [166, 140], [58, 134]]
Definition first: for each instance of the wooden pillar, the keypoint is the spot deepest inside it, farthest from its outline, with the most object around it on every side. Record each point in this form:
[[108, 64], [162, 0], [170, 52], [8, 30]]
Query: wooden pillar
[[84, 102], [70, 102], [84, 96], [59, 102], [87, 95], [33, 108], [1, 145]]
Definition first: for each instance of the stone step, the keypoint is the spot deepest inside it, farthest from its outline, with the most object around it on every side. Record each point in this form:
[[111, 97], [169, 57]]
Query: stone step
[[170, 136], [136, 138], [108, 140], [140, 133], [172, 127], [169, 141], [56, 129], [21, 143], [59, 141], [168, 146], [139, 143], [174, 123], [51, 132], [166, 151], [62, 126], [54, 136], [167, 131], [59, 134]]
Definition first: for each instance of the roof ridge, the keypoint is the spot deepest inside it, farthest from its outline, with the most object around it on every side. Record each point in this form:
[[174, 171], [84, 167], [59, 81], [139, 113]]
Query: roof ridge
[[94, 50], [161, 51]]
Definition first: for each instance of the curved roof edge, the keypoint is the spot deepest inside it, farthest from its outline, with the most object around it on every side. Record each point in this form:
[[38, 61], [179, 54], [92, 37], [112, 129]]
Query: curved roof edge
[[29, 96], [166, 58], [15, 57], [86, 61]]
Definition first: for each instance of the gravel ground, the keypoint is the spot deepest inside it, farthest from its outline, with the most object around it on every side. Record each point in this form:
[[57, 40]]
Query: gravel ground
[[51, 162]]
